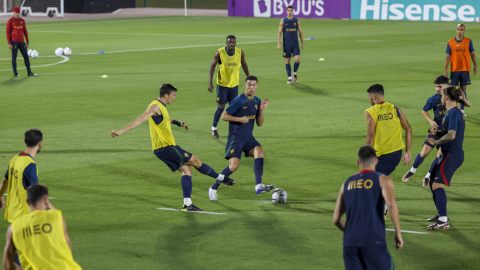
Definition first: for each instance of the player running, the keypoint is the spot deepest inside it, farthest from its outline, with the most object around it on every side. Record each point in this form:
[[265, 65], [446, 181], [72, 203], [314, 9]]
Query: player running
[[451, 133], [433, 103], [164, 146], [242, 114], [289, 26], [40, 237], [459, 51], [362, 197], [385, 122], [229, 60]]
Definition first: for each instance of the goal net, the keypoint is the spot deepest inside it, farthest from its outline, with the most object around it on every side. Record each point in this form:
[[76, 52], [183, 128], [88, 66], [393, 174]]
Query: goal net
[[42, 8]]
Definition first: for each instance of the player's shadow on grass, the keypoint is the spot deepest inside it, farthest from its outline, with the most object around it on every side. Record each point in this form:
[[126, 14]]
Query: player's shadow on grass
[[472, 120], [308, 89], [74, 151], [14, 81]]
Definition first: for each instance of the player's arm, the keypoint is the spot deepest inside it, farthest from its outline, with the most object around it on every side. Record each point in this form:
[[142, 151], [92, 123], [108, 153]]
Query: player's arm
[[152, 110], [9, 35], [301, 34], [180, 124], [474, 59], [450, 136], [407, 157], [429, 119], [3, 188], [279, 36], [216, 58], [371, 129], [25, 33], [244, 65], [386, 183], [463, 100], [67, 238], [339, 211], [263, 106], [9, 251], [229, 118]]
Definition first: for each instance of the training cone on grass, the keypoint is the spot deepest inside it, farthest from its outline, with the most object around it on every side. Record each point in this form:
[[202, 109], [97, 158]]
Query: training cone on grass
[[321, 59], [104, 76]]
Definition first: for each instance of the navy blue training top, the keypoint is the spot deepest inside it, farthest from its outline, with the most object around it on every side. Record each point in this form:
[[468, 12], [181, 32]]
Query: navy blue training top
[[454, 120], [435, 103], [290, 30], [239, 107]]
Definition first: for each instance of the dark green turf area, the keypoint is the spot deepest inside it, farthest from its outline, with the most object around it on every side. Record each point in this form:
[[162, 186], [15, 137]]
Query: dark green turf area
[[109, 189]]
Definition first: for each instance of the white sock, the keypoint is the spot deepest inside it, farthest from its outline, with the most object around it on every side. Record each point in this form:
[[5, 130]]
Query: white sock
[[413, 170], [187, 201], [443, 219], [428, 175], [214, 128], [221, 177], [294, 73], [289, 78]]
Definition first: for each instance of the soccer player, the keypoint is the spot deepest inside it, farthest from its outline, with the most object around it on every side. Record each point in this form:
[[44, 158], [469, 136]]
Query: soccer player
[[40, 237], [229, 60], [16, 29], [21, 173], [242, 114], [385, 122], [164, 146], [289, 26], [451, 133], [362, 197], [459, 51], [433, 103]]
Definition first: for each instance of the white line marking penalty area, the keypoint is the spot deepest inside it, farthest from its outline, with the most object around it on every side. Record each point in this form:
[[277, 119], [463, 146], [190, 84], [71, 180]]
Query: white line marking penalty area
[[201, 212]]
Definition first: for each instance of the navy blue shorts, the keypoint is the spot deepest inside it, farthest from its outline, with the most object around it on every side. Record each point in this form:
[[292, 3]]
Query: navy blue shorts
[[173, 156], [371, 258], [462, 77], [388, 163], [428, 137], [235, 146], [287, 52], [447, 167], [226, 94], [17, 260]]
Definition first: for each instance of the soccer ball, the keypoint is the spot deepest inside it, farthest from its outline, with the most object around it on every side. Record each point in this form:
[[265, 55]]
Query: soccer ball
[[279, 196], [34, 54], [58, 51], [67, 51], [30, 53]]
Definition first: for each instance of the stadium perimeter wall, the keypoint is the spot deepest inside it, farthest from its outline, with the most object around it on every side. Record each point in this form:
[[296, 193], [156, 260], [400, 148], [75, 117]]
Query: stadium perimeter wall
[[406, 10]]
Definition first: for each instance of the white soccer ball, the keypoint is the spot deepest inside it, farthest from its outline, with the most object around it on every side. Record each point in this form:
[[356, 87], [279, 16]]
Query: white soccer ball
[[279, 196], [34, 54], [30, 53], [59, 51], [67, 51]]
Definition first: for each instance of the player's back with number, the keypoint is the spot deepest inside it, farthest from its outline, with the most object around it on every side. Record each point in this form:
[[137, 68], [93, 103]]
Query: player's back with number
[[364, 205]]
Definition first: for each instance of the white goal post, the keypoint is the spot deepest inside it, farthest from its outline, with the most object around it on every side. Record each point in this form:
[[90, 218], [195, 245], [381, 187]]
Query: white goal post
[[42, 8]]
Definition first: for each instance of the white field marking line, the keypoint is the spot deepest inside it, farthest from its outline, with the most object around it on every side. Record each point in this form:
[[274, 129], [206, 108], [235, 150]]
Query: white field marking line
[[442, 43], [118, 10], [404, 231], [365, 40], [65, 59], [138, 34], [117, 21], [201, 212]]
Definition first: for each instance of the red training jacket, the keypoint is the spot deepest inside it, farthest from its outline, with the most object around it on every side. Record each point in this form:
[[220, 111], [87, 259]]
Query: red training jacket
[[16, 28]]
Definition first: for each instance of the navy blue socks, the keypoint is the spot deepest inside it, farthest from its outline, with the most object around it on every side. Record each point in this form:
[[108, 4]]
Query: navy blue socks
[[217, 116], [418, 161], [441, 201], [258, 169], [295, 67], [187, 186], [207, 170], [289, 70]]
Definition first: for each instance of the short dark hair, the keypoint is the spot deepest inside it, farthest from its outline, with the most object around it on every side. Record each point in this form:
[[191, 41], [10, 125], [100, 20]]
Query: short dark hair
[[35, 193], [376, 89], [442, 79], [453, 93], [366, 155], [33, 137], [167, 89], [290, 7], [251, 78], [231, 36]]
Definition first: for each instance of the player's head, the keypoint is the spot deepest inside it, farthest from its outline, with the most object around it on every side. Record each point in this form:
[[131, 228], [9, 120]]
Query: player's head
[[231, 42], [451, 95], [460, 30], [441, 82], [33, 138], [168, 93], [375, 94], [290, 12], [37, 196], [16, 12], [251, 84], [366, 156]]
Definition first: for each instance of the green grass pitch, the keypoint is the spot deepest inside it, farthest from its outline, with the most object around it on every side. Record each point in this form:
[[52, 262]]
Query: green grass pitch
[[109, 189]]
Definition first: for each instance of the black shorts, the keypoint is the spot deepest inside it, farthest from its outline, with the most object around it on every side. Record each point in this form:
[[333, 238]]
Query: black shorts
[[225, 94], [388, 163], [462, 77], [235, 146], [371, 258], [173, 156]]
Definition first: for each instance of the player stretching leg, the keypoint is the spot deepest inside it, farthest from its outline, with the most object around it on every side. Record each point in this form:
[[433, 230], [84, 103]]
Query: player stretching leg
[[451, 134], [242, 113], [289, 26], [164, 146], [229, 60]]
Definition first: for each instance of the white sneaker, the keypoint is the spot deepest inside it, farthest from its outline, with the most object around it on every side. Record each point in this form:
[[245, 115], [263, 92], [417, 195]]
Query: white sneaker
[[212, 194], [260, 188]]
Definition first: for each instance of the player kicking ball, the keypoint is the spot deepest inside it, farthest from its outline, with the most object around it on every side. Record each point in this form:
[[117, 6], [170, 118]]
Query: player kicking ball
[[242, 113]]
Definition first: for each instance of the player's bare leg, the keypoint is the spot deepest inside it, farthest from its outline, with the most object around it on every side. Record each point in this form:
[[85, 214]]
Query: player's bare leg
[[289, 69], [295, 67]]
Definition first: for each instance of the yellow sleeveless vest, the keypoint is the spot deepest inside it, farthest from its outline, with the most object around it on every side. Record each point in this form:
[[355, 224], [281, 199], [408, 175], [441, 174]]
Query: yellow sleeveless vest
[[228, 71], [160, 128]]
